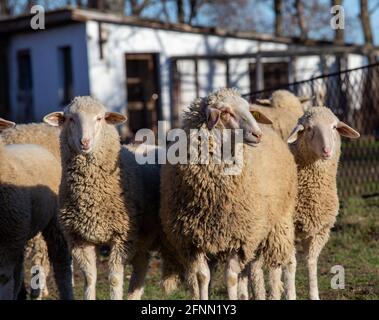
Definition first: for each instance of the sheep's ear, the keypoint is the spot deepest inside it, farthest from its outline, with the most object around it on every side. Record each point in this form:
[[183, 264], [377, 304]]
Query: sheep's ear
[[5, 124], [259, 116], [115, 118], [295, 133], [347, 131], [264, 102], [213, 117], [54, 119]]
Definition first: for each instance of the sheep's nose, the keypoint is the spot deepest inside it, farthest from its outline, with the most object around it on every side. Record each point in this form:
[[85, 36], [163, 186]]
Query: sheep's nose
[[326, 151], [85, 143], [257, 135]]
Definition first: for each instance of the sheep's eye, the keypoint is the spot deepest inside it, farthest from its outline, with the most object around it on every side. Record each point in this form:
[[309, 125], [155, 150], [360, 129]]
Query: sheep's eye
[[99, 118], [335, 127], [72, 120]]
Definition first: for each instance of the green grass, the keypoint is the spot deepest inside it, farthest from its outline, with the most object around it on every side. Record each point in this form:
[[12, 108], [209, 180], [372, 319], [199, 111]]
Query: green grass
[[354, 244]]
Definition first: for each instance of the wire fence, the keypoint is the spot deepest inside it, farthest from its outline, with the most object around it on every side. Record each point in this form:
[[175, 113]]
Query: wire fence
[[353, 95]]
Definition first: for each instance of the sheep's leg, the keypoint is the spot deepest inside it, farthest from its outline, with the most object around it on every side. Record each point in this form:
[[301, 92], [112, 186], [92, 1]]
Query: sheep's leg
[[313, 247], [232, 271], [7, 282], [85, 257], [204, 277], [116, 271], [171, 271], [243, 286], [140, 265], [257, 279], [193, 283], [59, 253], [18, 276], [39, 259], [198, 277], [289, 277], [276, 287]]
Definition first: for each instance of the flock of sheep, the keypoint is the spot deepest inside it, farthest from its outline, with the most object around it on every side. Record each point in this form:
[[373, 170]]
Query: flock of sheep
[[69, 186]]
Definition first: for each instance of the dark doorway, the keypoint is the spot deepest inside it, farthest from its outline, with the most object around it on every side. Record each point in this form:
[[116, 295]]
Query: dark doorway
[[25, 112], [275, 74], [143, 91], [4, 80], [66, 90]]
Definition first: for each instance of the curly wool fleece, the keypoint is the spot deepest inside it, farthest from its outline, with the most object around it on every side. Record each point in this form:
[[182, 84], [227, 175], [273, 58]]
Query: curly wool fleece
[[97, 195], [204, 210]]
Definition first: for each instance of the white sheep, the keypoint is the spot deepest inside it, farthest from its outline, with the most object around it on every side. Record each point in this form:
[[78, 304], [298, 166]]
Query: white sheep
[[105, 196], [283, 108], [316, 145], [209, 214], [48, 137], [29, 181]]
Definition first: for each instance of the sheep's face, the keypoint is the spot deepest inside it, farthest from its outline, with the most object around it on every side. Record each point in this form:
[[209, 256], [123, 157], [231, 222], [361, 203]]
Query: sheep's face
[[320, 131], [83, 124], [236, 113], [5, 124]]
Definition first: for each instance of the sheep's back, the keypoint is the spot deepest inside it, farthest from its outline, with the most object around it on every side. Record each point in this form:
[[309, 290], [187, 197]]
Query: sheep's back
[[34, 133], [31, 178]]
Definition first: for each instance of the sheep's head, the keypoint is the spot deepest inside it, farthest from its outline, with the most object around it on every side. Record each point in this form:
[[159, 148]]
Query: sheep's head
[[234, 112], [320, 130], [83, 119], [5, 124]]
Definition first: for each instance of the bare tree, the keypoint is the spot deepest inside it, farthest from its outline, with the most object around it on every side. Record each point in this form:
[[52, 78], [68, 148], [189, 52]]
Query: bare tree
[[299, 6], [5, 9], [366, 28], [180, 10], [278, 5]]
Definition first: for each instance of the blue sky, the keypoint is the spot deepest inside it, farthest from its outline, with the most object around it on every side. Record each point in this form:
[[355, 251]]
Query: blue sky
[[353, 30]]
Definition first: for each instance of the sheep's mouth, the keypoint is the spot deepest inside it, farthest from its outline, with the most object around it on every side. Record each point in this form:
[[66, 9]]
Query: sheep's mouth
[[252, 143]]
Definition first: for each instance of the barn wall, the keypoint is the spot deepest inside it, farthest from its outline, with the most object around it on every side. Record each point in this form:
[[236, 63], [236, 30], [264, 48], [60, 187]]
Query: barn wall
[[44, 46], [107, 75]]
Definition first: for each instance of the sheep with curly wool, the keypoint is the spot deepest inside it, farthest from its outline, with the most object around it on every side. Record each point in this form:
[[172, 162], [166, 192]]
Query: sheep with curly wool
[[316, 145], [48, 137], [283, 108], [28, 198], [106, 197], [207, 213]]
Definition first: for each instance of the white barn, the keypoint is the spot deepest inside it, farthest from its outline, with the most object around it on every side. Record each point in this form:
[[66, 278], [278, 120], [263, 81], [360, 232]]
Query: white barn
[[148, 69]]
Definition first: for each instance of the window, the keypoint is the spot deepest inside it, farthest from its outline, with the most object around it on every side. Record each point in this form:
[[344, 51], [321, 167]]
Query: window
[[65, 91], [24, 76], [24, 111], [275, 74]]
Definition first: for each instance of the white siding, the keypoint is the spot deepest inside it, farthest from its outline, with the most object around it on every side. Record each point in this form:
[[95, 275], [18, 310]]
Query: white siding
[[107, 76], [43, 46]]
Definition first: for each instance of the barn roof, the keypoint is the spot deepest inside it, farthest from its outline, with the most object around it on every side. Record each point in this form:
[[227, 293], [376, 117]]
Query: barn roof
[[67, 15]]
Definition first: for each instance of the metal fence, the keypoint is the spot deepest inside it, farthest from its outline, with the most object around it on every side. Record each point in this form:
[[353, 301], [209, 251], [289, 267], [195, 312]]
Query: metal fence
[[353, 95]]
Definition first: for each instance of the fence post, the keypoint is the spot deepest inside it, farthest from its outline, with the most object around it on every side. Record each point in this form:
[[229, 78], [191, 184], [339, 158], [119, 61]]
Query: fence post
[[259, 84], [292, 70]]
